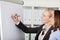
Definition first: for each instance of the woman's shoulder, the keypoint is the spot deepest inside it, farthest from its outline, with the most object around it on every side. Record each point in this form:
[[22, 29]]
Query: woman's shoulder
[[55, 33]]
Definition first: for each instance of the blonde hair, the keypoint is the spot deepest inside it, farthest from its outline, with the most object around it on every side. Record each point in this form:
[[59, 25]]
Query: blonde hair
[[51, 11]]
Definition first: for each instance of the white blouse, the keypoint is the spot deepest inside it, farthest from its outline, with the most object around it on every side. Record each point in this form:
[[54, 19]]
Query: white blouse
[[42, 36]]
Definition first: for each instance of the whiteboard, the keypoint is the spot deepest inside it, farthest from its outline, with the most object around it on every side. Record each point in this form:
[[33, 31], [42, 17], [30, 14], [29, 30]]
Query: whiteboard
[[0, 22], [10, 31]]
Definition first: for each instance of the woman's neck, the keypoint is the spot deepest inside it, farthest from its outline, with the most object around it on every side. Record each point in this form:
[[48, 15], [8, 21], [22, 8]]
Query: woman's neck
[[47, 25]]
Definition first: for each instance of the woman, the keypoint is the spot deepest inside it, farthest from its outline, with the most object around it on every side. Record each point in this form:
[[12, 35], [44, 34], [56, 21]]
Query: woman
[[55, 35], [43, 31]]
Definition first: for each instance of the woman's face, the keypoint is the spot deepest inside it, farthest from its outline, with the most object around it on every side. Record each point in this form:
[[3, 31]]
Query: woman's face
[[45, 17]]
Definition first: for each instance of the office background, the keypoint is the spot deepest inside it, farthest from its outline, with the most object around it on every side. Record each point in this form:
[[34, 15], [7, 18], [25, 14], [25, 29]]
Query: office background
[[30, 14]]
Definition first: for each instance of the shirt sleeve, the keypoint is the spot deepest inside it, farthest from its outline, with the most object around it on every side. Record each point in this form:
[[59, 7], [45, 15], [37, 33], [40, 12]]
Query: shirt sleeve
[[25, 29], [52, 37]]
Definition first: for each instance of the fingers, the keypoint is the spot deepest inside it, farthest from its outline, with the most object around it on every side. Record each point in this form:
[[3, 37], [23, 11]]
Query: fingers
[[15, 17]]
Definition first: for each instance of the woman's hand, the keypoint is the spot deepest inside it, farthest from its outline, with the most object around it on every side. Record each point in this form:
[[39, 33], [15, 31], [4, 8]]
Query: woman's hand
[[15, 17]]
